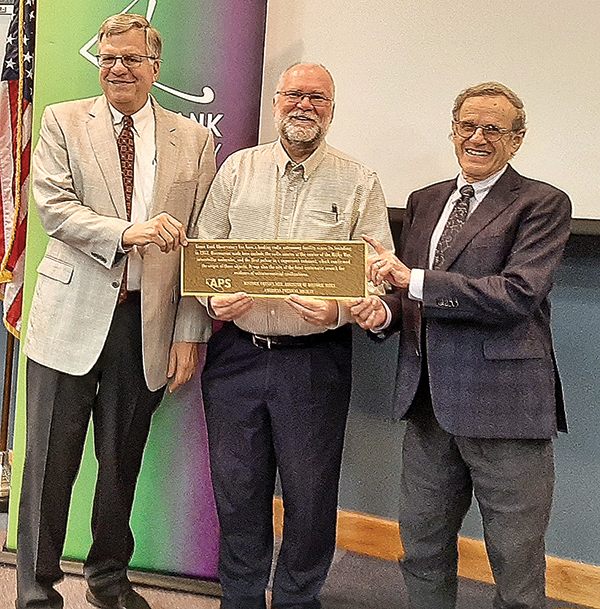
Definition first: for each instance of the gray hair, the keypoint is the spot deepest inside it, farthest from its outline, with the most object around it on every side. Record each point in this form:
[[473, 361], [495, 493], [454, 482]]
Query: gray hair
[[492, 89]]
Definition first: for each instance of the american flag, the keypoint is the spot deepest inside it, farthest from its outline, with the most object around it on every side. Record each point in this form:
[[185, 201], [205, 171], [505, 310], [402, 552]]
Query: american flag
[[16, 92]]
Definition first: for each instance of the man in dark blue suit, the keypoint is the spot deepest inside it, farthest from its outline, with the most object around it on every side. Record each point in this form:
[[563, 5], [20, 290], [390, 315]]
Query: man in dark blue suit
[[477, 379]]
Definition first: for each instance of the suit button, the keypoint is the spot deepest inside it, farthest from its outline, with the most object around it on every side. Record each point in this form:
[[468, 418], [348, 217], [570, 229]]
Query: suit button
[[115, 284]]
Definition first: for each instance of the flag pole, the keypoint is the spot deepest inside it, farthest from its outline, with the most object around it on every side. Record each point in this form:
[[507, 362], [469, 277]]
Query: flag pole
[[5, 466], [8, 372]]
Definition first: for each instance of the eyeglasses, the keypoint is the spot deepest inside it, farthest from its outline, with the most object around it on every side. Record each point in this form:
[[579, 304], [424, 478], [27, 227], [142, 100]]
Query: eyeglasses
[[295, 97], [129, 61], [491, 133]]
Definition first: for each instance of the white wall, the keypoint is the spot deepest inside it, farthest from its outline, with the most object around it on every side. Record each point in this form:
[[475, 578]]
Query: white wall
[[398, 64]]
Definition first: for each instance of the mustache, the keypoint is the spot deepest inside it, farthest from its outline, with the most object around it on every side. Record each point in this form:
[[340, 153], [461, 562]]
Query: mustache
[[302, 114]]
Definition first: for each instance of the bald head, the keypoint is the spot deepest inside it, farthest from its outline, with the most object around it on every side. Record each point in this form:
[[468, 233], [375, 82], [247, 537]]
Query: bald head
[[316, 70]]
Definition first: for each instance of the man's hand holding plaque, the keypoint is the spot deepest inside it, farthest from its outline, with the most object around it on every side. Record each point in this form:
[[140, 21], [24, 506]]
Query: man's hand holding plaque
[[369, 313], [313, 310], [385, 266], [231, 306]]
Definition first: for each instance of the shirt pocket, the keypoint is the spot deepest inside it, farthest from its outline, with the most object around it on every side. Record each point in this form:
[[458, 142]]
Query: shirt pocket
[[327, 225]]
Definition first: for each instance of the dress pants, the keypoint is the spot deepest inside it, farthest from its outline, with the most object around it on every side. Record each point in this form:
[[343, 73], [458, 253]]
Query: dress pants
[[59, 406], [274, 409], [513, 483]]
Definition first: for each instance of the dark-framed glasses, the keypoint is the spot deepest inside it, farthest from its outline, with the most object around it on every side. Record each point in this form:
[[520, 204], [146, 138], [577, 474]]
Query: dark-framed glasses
[[129, 61], [491, 133], [295, 97]]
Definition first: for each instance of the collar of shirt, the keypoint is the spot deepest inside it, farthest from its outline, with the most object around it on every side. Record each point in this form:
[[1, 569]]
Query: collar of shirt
[[481, 188], [143, 178], [310, 164], [142, 119]]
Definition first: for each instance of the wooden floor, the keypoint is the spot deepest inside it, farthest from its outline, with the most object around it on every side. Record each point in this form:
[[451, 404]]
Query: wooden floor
[[73, 590], [355, 582]]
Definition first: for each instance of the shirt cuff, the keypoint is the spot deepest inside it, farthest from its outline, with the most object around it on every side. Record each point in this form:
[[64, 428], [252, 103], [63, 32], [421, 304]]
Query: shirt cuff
[[205, 300], [415, 287], [121, 248]]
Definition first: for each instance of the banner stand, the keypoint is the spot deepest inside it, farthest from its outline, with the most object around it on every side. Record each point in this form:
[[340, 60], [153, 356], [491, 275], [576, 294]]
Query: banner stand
[[178, 583], [212, 73]]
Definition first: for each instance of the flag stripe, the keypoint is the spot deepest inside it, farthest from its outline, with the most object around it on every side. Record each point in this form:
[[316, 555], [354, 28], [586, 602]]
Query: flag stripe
[[15, 151]]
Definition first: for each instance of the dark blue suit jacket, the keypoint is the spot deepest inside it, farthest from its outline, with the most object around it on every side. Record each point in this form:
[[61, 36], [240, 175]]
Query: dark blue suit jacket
[[492, 370]]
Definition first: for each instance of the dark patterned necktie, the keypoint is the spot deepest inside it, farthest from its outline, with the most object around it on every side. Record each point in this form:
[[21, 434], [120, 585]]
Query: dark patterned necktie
[[127, 157], [456, 219]]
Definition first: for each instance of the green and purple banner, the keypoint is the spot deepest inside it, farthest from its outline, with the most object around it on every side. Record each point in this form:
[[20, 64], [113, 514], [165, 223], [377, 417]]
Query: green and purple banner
[[212, 73]]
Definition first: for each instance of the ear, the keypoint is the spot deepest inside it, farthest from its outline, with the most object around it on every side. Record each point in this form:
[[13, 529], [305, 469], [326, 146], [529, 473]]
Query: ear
[[452, 135], [517, 140], [155, 70]]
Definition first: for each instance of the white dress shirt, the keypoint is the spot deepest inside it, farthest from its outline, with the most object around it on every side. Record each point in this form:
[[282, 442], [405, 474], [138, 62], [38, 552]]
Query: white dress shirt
[[482, 188], [259, 193], [144, 172], [417, 276]]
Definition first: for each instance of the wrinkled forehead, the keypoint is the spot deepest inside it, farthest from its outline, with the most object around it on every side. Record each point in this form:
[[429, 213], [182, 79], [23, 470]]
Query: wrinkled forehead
[[307, 78], [498, 107]]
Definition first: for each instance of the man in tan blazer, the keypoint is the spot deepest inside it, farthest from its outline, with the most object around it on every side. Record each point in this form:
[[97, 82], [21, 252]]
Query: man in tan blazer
[[107, 328]]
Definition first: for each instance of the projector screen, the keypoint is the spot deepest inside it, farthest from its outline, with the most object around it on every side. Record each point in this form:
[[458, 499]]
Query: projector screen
[[399, 64]]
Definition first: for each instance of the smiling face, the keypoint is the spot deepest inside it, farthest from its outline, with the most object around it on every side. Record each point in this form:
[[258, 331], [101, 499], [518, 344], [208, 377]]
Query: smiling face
[[478, 158], [127, 89], [299, 122]]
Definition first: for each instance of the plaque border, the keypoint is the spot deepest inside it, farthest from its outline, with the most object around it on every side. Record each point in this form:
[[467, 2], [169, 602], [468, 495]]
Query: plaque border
[[279, 296]]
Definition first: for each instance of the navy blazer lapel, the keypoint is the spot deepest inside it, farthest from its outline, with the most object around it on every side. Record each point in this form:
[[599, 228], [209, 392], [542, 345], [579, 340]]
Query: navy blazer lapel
[[104, 146], [503, 193], [424, 221]]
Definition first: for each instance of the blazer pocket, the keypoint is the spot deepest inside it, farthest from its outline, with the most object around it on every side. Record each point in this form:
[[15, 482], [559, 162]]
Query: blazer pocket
[[511, 349], [56, 269]]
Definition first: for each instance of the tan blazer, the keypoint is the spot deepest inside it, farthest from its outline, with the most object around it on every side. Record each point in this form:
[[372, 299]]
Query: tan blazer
[[78, 193]]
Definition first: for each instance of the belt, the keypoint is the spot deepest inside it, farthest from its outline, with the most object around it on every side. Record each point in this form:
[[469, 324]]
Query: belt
[[286, 342]]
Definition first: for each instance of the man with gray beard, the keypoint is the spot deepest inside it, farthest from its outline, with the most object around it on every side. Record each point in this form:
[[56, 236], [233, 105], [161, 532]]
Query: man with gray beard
[[276, 383]]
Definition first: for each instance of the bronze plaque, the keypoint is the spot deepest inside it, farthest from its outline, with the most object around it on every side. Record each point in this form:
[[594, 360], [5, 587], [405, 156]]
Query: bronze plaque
[[274, 269]]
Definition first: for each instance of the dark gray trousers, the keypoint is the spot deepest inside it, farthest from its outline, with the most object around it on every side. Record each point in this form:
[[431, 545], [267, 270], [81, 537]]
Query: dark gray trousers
[[59, 407], [267, 410], [513, 482]]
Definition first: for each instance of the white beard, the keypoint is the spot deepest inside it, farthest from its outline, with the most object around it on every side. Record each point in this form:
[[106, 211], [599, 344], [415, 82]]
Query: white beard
[[300, 133], [296, 132]]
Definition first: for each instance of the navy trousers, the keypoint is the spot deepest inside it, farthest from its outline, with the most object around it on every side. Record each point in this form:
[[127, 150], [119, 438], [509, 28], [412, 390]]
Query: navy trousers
[[59, 407], [268, 410]]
